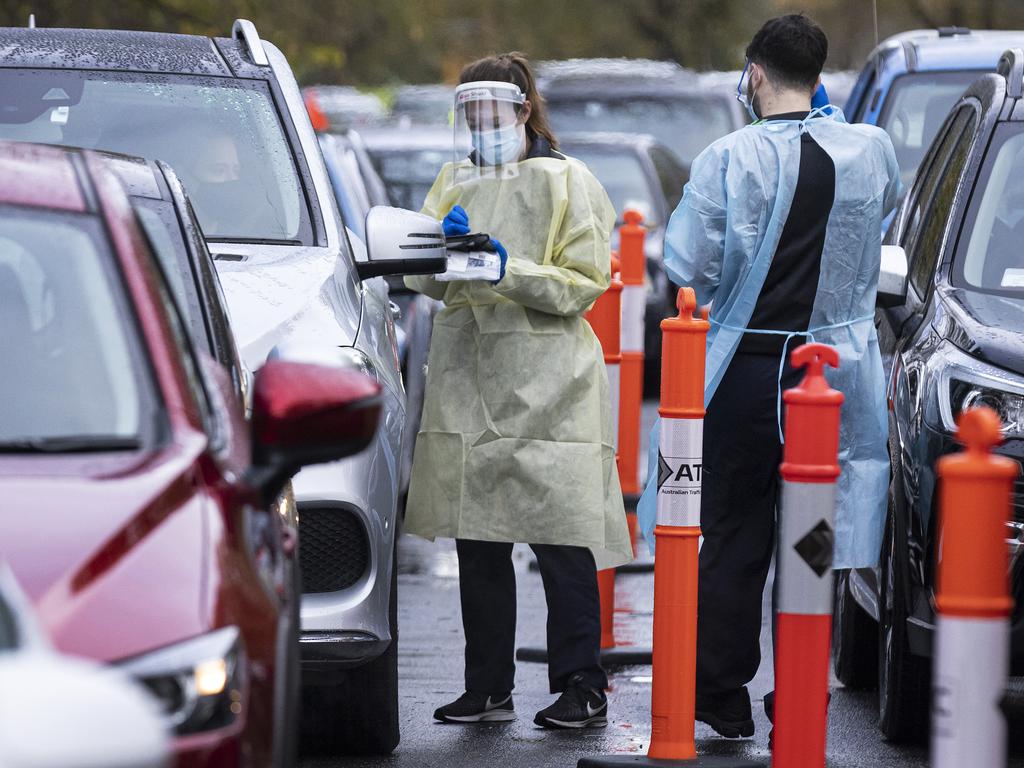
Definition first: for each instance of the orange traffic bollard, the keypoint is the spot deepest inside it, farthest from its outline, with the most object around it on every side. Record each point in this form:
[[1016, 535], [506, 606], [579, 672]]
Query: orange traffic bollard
[[605, 318], [319, 120], [972, 597], [634, 302], [677, 532], [680, 454], [810, 467]]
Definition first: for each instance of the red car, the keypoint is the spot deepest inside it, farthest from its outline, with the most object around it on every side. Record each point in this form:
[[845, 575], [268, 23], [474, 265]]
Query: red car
[[135, 499]]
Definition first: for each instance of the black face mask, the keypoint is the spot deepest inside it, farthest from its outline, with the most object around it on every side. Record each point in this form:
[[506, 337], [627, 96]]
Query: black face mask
[[219, 205]]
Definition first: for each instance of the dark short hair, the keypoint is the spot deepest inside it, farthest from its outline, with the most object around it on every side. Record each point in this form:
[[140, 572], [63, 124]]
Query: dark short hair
[[792, 49]]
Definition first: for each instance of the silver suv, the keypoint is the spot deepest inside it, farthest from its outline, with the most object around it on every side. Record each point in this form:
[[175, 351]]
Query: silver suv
[[226, 113]]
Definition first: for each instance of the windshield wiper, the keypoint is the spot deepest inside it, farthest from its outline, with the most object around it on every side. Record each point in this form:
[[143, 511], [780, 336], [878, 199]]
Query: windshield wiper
[[254, 240], [70, 444]]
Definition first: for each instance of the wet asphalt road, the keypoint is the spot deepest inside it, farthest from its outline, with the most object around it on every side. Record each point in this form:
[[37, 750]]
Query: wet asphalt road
[[430, 674]]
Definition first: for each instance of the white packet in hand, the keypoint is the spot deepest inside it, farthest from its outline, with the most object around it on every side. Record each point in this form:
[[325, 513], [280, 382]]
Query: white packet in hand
[[471, 265]]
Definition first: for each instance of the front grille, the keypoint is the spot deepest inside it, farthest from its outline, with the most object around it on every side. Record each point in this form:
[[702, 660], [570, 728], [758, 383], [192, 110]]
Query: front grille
[[334, 550]]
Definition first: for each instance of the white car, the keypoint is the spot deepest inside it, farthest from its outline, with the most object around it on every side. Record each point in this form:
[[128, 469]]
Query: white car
[[58, 712]]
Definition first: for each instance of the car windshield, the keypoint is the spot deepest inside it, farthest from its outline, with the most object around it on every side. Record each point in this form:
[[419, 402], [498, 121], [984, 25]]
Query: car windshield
[[409, 174], [685, 124], [222, 136], [914, 110], [65, 333], [623, 178], [993, 260]]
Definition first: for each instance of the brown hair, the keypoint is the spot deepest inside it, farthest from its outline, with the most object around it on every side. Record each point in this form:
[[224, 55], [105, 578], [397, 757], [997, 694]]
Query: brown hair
[[514, 68]]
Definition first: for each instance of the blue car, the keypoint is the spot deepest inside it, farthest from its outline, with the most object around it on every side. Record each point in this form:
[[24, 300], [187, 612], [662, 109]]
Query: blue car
[[911, 80]]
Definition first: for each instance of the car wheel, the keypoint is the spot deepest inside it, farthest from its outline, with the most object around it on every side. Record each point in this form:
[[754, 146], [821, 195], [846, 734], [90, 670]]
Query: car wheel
[[902, 677], [359, 714], [854, 650]]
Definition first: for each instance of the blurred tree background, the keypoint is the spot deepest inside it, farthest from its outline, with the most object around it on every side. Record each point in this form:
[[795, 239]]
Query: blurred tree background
[[385, 42]]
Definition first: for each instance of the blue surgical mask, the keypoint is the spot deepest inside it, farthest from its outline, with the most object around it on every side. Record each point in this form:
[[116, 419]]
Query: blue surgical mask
[[746, 99], [500, 146]]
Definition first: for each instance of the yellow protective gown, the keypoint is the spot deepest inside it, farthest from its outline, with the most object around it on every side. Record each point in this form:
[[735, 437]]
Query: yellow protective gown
[[516, 440]]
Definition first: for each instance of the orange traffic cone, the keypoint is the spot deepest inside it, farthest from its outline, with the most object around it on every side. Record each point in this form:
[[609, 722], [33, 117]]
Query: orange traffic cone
[[678, 532], [810, 466], [972, 596], [634, 303]]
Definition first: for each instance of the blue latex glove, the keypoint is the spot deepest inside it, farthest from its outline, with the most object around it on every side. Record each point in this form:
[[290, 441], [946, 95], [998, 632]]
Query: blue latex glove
[[820, 97], [456, 222], [503, 254]]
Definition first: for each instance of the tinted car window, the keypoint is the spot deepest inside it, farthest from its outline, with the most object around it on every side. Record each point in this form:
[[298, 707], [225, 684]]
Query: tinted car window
[[930, 212], [193, 282], [914, 110], [623, 178], [865, 96], [223, 136], [671, 175], [684, 124], [67, 333], [161, 225], [993, 259], [409, 175]]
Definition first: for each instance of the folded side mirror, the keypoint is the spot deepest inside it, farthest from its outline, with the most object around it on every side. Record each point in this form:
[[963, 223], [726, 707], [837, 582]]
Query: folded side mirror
[[305, 413], [401, 242], [892, 277]]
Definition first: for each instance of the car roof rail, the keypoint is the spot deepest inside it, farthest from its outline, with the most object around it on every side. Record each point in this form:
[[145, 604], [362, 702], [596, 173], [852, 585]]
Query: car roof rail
[[1011, 67], [953, 31], [245, 32]]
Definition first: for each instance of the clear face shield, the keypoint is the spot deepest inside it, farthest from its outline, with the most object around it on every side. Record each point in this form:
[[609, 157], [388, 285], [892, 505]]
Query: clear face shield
[[743, 95], [490, 129]]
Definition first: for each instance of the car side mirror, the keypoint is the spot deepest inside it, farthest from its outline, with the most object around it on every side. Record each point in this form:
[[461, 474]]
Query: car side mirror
[[401, 242], [892, 277], [99, 717], [306, 413]]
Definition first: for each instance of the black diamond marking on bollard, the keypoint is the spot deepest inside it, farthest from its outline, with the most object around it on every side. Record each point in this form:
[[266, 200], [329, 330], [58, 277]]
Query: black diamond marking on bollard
[[664, 470], [816, 548]]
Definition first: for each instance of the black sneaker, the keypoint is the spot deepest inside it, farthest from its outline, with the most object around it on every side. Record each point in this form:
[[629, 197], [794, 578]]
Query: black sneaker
[[728, 713], [580, 706], [473, 707]]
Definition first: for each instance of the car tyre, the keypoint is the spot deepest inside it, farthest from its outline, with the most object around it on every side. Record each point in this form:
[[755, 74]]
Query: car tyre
[[854, 650], [359, 714], [902, 677]]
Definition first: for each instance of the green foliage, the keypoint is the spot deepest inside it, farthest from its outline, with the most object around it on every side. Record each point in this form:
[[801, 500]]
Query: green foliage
[[385, 42]]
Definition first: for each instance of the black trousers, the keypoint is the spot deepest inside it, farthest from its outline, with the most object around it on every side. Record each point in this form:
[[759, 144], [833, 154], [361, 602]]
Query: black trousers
[[739, 494], [487, 584]]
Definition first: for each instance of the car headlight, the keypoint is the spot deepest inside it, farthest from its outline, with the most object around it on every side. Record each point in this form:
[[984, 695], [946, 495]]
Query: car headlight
[[200, 683], [970, 383]]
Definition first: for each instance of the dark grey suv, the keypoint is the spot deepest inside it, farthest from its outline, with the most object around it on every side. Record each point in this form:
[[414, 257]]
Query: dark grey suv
[[954, 340]]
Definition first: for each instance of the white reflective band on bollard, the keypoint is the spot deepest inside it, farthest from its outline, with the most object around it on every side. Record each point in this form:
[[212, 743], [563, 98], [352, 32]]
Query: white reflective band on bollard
[[614, 387], [634, 304], [971, 667], [806, 545], [680, 455]]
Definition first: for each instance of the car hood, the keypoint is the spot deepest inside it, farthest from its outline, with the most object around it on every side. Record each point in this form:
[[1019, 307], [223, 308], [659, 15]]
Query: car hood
[[988, 326], [113, 551], [276, 293]]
